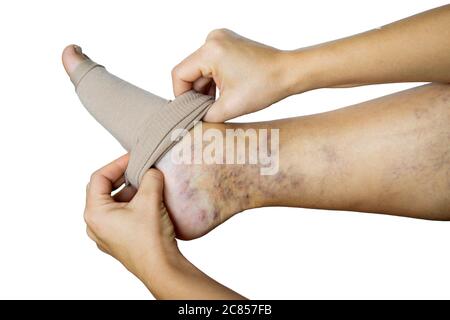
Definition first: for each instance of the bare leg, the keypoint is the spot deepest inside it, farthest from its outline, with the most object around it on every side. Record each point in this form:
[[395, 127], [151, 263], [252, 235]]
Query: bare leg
[[390, 155]]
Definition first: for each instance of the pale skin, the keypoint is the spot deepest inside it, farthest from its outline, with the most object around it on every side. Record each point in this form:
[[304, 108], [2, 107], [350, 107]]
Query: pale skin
[[390, 155], [139, 233], [252, 76]]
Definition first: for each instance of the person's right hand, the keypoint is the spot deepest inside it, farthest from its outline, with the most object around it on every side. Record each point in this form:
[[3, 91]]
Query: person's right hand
[[135, 228], [132, 226], [249, 75]]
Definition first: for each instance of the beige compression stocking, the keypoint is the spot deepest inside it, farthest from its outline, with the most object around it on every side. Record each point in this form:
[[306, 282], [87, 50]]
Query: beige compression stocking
[[141, 121]]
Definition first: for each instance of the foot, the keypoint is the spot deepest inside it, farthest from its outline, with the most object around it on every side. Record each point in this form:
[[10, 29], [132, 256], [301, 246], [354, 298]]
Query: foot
[[199, 197]]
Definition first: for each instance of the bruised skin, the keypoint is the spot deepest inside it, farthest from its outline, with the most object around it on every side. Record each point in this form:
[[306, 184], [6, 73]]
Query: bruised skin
[[190, 198], [191, 207], [200, 197], [389, 155]]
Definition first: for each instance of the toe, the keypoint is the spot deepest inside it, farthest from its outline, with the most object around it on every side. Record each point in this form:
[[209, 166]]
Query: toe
[[72, 56]]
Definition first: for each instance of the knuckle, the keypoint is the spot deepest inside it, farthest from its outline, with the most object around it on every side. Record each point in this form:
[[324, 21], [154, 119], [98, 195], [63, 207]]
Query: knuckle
[[89, 234], [175, 71], [215, 47], [90, 218], [218, 33], [93, 175], [152, 176], [86, 217]]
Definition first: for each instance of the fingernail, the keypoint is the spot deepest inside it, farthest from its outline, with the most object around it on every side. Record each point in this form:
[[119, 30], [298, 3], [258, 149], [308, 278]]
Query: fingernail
[[77, 49]]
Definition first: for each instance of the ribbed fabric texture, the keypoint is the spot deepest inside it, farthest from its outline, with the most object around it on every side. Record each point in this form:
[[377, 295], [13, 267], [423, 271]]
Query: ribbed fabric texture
[[141, 121]]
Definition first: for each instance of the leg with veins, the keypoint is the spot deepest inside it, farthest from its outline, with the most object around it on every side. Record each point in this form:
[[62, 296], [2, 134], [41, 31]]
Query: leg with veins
[[389, 155]]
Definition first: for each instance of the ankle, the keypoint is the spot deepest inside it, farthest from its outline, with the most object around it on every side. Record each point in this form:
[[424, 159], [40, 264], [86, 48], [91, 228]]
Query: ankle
[[248, 163], [204, 192]]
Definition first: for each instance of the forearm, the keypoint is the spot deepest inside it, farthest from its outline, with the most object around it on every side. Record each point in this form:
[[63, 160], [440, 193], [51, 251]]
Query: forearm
[[415, 49], [176, 278]]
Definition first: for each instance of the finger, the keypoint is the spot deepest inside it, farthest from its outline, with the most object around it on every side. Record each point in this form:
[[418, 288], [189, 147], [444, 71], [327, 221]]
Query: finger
[[185, 73], [218, 111], [151, 188], [126, 194], [102, 181], [202, 84]]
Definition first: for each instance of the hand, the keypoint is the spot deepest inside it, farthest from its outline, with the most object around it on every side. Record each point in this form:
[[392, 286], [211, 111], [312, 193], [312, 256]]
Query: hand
[[138, 233], [135, 228], [249, 75]]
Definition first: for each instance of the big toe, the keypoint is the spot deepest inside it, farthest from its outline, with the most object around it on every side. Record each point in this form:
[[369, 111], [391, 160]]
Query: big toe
[[72, 56]]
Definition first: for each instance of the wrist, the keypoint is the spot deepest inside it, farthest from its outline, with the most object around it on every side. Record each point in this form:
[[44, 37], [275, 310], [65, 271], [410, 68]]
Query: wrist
[[154, 263], [304, 69], [162, 275]]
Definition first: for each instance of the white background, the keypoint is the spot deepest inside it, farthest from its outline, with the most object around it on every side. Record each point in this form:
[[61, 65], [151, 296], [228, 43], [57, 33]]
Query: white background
[[50, 145]]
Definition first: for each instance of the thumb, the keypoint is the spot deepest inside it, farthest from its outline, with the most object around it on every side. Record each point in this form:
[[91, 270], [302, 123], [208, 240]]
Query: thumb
[[219, 111], [151, 188]]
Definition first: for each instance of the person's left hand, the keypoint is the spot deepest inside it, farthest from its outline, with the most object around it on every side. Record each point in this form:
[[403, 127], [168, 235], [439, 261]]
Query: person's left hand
[[133, 227]]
